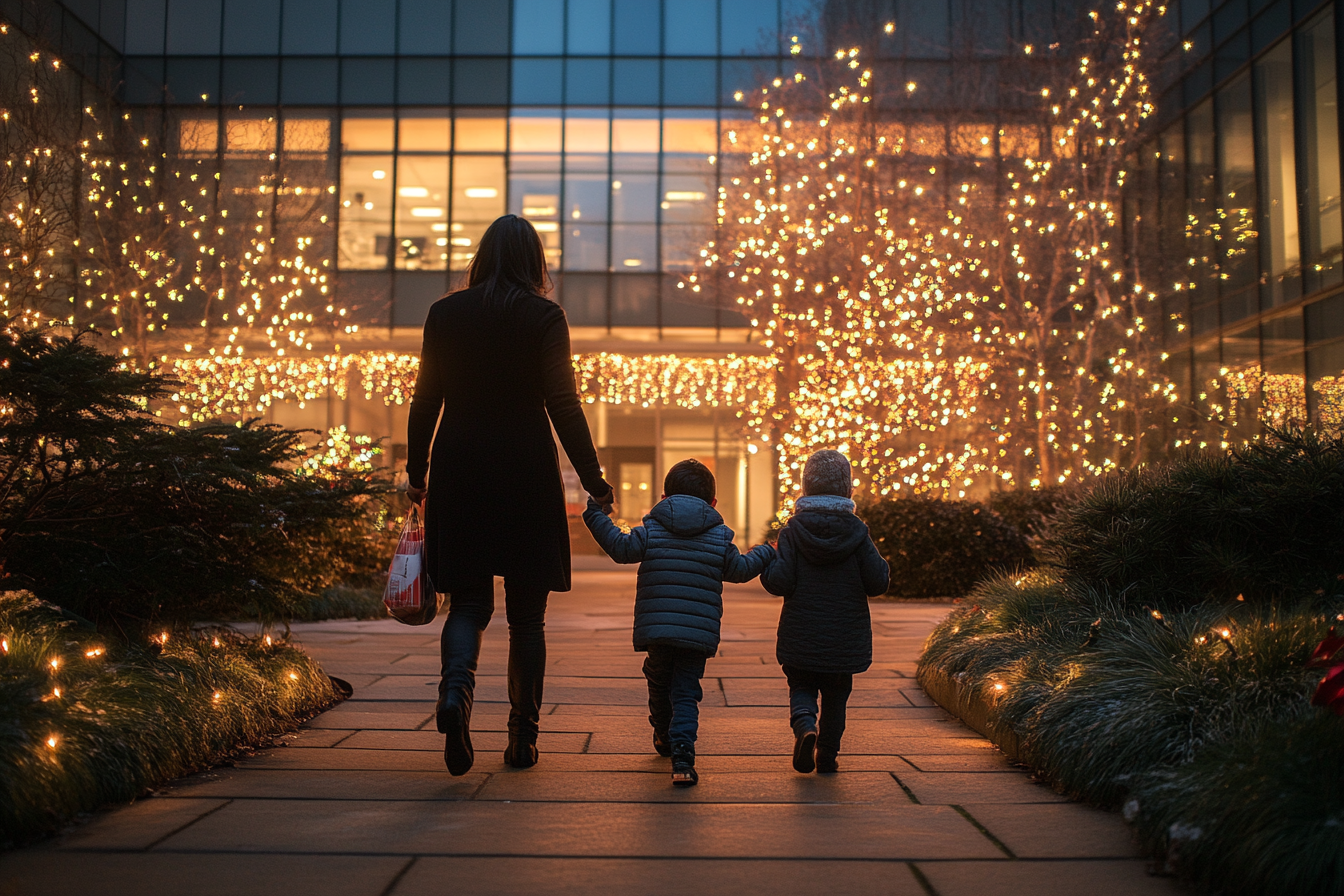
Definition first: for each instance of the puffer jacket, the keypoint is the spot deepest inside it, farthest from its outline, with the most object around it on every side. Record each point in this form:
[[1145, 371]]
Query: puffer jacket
[[685, 554], [826, 570]]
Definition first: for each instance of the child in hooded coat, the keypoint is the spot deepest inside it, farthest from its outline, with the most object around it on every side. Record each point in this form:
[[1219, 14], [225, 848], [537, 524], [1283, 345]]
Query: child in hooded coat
[[685, 554], [826, 569]]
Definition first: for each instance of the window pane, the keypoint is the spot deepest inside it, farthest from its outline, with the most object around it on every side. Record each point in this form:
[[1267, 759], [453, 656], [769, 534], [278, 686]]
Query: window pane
[[366, 212], [587, 82], [585, 247], [590, 27], [368, 82], [682, 245], [193, 27], [587, 135], [1240, 253], [586, 197], [310, 27], [749, 27], [689, 28], [540, 134], [429, 133], [309, 82], [1201, 206], [424, 81], [144, 27], [637, 27], [368, 27], [635, 82], [688, 198], [538, 27], [539, 81], [426, 28], [486, 132], [1175, 241], [198, 136], [1280, 256], [252, 27], [536, 197], [689, 82], [634, 247], [307, 136], [1320, 134], [479, 196], [634, 199], [635, 143], [688, 142], [422, 212], [481, 29], [359, 134], [249, 136], [925, 25]]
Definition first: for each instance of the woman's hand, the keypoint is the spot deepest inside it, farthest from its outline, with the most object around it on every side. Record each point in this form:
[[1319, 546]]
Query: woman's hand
[[417, 495], [607, 500]]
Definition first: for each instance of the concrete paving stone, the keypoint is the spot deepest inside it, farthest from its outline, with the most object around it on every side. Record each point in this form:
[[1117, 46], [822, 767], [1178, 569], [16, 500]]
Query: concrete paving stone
[[958, 788], [358, 704], [900, 831], [748, 692], [714, 787], [980, 761], [547, 741], [356, 680], [329, 784], [1080, 878], [1056, 831], [779, 740], [141, 824], [207, 874], [339, 758], [653, 877], [315, 737], [917, 697], [353, 719]]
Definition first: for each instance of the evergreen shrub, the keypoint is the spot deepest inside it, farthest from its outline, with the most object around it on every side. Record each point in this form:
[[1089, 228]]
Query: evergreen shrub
[[1131, 674], [136, 524], [942, 548], [87, 720]]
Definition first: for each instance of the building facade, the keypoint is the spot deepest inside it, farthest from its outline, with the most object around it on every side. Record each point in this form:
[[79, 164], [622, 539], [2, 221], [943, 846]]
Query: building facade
[[601, 121], [1241, 189]]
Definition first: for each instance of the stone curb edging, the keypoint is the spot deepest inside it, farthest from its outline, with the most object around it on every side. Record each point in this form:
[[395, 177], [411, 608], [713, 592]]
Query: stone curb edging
[[964, 703]]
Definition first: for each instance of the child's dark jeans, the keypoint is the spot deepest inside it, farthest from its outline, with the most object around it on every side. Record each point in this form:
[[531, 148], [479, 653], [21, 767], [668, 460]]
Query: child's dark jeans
[[674, 674], [834, 687]]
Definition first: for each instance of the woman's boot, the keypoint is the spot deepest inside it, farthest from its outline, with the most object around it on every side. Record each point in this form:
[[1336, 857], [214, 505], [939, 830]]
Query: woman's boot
[[520, 753], [452, 714]]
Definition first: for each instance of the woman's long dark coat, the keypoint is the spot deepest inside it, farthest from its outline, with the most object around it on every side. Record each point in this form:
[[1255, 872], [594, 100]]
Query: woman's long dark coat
[[502, 374]]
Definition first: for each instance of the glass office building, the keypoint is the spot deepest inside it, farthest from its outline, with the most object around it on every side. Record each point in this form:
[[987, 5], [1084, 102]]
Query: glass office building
[[599, 120], [1241, 189]]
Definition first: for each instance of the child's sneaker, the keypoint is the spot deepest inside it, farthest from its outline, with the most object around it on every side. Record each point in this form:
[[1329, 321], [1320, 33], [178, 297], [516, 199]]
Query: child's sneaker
[[827, 763], [683, 766], [661, 744], [804, 746]]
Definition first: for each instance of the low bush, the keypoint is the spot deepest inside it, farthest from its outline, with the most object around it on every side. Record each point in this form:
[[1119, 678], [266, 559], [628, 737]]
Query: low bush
[[136, 524], [86, 721], [1130, 673], [942, 548], [1264, 522]]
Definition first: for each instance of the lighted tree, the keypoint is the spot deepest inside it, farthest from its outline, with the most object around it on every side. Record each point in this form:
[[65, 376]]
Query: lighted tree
[[947, 328]]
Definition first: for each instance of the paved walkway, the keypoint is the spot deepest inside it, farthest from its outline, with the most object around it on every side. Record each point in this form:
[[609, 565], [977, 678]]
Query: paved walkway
[[359, 803]]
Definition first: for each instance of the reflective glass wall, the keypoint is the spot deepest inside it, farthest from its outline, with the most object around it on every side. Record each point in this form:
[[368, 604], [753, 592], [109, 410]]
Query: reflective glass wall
[[599, 120], [1251, 259]]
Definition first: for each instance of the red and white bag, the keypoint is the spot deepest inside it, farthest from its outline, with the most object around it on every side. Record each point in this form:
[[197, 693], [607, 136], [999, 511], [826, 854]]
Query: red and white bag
[[410, 596]]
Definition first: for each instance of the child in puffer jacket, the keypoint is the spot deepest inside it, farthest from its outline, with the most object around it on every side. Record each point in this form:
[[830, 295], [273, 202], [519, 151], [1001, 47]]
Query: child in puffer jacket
[[685, 554], [826, 570]]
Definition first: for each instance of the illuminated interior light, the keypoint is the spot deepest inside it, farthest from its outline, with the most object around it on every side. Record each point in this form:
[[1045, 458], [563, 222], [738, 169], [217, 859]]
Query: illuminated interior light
[[427, 212], [481, 192], [413, 192]]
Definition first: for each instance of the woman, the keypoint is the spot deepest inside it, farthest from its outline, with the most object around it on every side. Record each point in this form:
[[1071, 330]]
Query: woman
[[496, 362]]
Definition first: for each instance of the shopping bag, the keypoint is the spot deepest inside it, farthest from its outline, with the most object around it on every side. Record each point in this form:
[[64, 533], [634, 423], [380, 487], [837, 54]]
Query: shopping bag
[[410, 596]]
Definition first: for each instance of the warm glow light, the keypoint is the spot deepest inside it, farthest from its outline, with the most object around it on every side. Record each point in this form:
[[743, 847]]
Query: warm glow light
[[481, 192], [413, 192], [427, 212]]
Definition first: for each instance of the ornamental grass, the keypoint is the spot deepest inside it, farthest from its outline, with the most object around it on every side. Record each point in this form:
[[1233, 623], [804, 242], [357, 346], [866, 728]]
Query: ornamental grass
[[86, 721], [1159, 664]]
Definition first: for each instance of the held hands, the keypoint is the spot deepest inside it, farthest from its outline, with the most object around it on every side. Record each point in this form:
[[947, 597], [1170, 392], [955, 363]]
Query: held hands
[[605, 501]]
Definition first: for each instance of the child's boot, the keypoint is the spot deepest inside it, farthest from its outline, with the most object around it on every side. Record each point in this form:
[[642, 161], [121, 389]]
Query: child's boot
[[683, 765], [804, 746], [827, 762]]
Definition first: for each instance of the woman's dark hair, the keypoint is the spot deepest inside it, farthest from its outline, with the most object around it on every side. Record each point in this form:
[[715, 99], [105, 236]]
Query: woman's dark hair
[[690, 477], [509, 260]]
